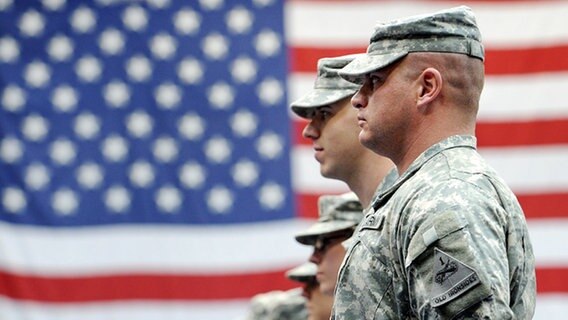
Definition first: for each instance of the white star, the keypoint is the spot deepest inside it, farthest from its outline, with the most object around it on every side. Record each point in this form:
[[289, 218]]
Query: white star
[[271, 196], [114, 148], [65, 201], [60, 48], [191, 126], [87, 125], [9, 49], [163, 46], [139, 124], [187, 21], [245, 173], [116, 94], [141, 174], [190, 70], [270, 91], [269, 145], [62, 151], [88, 68], [218, 149], [168, 199], [5, 4], [243, 69], [220, 95], [165, 149], [13, 98], [244, 123], [211, 4], [138, 68], [89, 175], [167, 95], [239, 20], [220, 199], [111, 41], [159, 4], [215, 46], [64, 98], [35, 127], [31, 23], [53, 5], [13, 199], [267, 43], [192, 175], [135, 18], [83, 20], [262, 3], [11, 149], [37, 74], [36, 176], [117, 199]]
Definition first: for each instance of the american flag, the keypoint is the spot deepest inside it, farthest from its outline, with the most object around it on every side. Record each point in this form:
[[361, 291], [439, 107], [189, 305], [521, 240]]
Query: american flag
[[149, 168]]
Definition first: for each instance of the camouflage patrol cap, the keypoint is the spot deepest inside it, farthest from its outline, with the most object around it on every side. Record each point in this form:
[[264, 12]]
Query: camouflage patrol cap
[[329, 87], [277, 305], [452, 31], [336, 213], [303, 273]]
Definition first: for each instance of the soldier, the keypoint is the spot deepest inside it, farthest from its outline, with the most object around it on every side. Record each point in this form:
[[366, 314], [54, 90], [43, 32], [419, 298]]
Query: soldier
[[333, 129], [318, 305], [448, 240], [278, 305]]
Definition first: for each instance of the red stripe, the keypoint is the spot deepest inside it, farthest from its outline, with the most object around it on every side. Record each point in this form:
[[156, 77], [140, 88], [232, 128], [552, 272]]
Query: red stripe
[[497, 134], [497, 62], [141, 287], [552, 280]]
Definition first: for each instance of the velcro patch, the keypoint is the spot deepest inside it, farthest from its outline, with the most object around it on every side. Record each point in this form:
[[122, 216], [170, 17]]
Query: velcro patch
[[451, 278]]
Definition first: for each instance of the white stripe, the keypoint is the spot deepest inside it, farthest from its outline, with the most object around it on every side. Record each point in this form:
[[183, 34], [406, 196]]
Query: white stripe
[[155, 248], [345, 23], [510, 98], [551, 306], [549, 238]]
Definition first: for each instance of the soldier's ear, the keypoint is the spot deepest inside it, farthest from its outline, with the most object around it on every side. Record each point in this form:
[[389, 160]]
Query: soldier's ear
[[429, 87]]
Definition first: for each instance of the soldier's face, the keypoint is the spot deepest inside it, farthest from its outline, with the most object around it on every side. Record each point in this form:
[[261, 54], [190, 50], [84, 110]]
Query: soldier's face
[[328, 255], [334, 134]]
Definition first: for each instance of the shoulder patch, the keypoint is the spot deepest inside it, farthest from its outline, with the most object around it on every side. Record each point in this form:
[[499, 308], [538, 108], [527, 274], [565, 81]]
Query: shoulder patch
[[451, 278]]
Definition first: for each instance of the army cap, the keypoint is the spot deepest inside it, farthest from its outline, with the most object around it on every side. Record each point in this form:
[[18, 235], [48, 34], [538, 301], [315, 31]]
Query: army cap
[[303, 273], [277, 305], [336, 213], [452, 31], [329, 87]]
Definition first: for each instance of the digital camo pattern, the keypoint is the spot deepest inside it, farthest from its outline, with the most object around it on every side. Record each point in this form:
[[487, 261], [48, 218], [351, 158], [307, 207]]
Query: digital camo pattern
[[449, 201], [454, 31], [278, 305], [329, 87], [336, 213]]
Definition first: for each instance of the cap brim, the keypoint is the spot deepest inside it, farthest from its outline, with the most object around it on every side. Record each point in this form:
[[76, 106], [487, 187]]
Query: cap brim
[[318, 98], [310, 235], [303, 273], [356, 70]]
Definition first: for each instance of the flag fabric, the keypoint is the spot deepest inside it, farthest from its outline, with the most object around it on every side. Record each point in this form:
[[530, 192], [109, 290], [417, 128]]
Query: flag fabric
[[150, 169]]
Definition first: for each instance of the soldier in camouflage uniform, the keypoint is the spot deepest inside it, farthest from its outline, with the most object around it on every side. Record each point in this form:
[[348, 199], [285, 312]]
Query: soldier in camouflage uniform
[[278, 305], [333, 130], [448, 240], [318, 305]]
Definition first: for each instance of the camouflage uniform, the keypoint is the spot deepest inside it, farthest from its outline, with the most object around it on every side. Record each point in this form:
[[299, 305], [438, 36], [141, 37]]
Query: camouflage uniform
[[278, 305], [448, 240]]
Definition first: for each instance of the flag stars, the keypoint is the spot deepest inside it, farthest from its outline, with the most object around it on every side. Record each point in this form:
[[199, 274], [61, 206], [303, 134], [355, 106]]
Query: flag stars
[[138, 68], [11, 150], [187, 21], [271, 196], [116, 94], [220, 199], [163, 46], [89, 175], [270, 91], [83, 20], [31, 23], [87, 126], [35, 127], [135, 18], [159, 4], [270, 145], [244, 123], [13, 98], [191, 126], [243, 69], [62, 151], [60, 48], [165, 149], [117, 199], [239, 20], [139, 124], [111, 41], [64, 98], [65, 201], [37, 74], [211, 4], [88, 69], [36, 176], [53, 5], [114, 148], [267, 43], [168, 199], [263, 3], [9, 50], [5, 4], [190, 70], [215, 46], [141, 174], [167, 95], [218, 149], [245, 173], [220, 95], [13, 200], [192, 175]]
